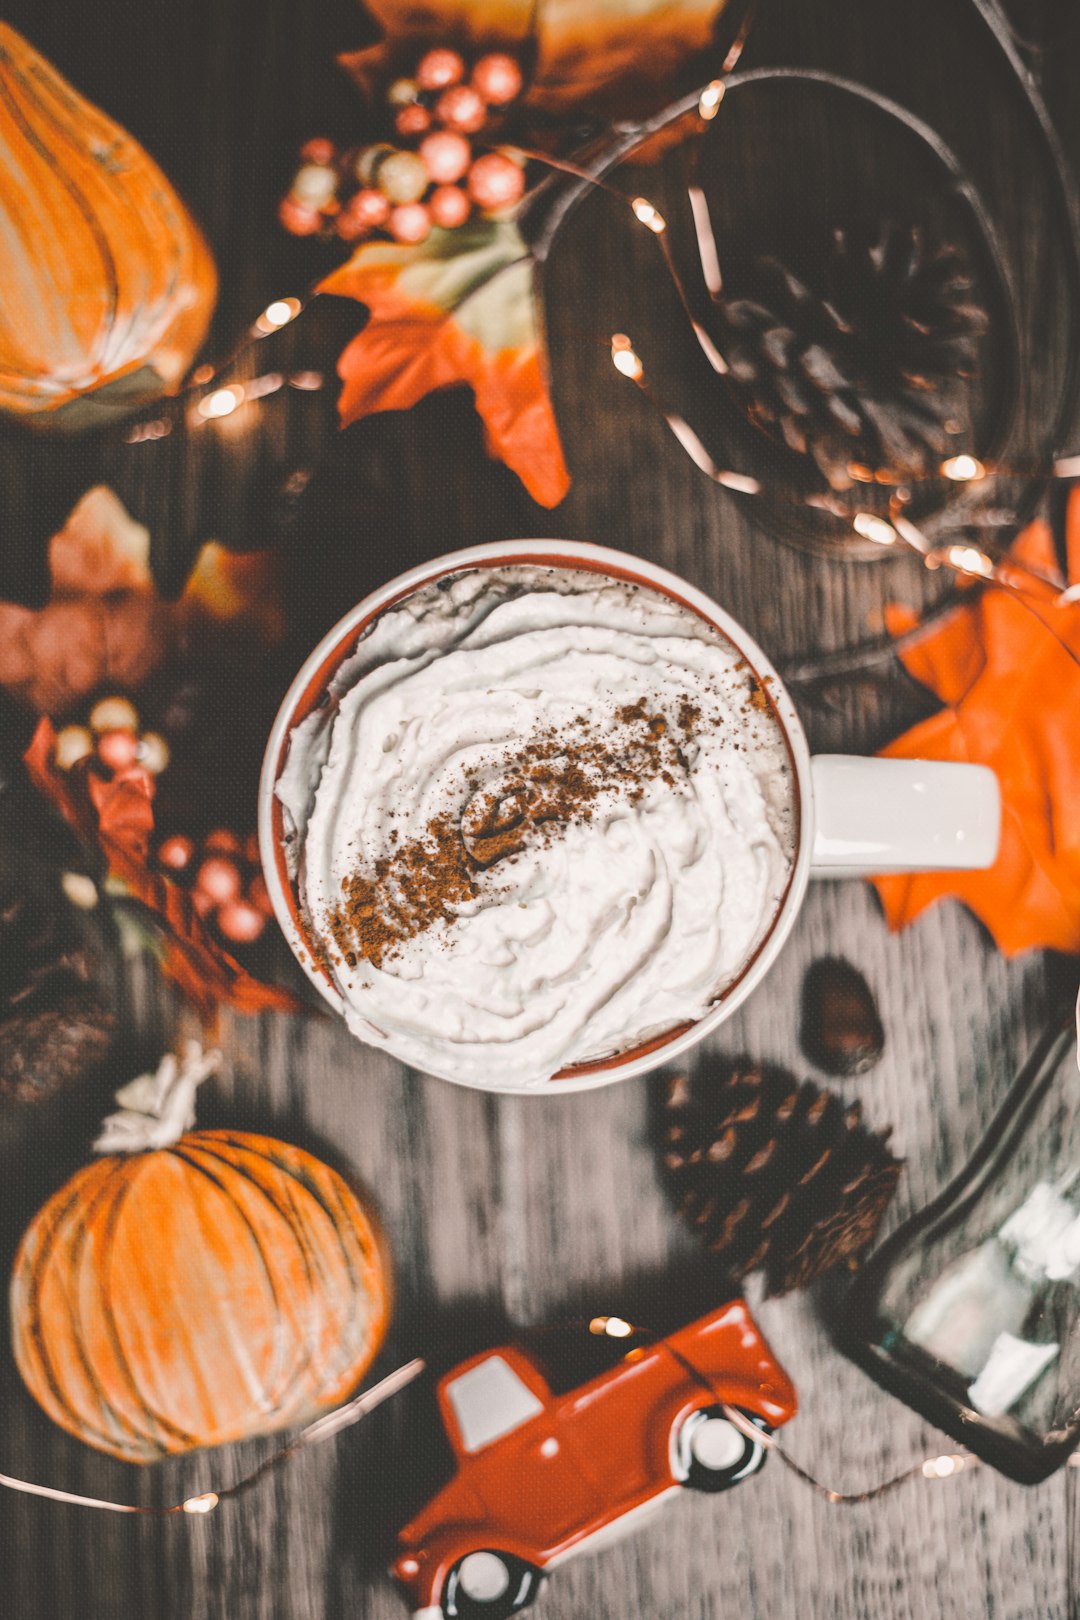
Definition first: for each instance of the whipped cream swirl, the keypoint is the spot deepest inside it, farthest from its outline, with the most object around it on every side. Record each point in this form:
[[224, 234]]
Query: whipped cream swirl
[[543, 816]]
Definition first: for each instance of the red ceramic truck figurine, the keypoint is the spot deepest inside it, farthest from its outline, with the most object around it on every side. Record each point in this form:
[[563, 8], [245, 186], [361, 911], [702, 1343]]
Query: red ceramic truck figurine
[[548, 1465]]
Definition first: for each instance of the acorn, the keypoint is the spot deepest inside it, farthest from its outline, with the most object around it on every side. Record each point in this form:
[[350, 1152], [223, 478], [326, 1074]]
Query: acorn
[[841, 1030]]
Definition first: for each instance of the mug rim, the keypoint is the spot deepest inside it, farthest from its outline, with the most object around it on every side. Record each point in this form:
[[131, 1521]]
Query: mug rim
[[309, 689]]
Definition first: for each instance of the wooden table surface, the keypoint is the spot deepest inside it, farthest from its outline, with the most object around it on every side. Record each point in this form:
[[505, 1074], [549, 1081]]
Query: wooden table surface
[[502, 1211]]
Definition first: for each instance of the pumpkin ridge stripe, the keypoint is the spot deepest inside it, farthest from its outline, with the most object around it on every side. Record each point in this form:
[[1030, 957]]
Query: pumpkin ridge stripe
[[266, 1398], [347, 1219], [355, 1253], [272, 1398], [46, 1268], [27, 1273], [112, 1184], [148, 305], [168, 1430], [356, 1326], [108, 262], [57, 98], [297, 1226]]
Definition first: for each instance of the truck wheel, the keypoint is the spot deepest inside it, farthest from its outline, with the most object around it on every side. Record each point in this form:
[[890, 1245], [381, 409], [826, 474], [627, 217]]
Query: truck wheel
[[714, 1453], [489, 1585]]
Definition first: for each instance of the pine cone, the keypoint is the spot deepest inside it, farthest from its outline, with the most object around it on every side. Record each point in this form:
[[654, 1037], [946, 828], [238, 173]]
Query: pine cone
[[871, 370], [774, 1174], [53, 1025]]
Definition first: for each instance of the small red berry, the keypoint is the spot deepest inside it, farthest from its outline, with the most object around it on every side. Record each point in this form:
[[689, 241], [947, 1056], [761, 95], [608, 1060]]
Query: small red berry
[[413, 119], [403, 177], [118, 749], [222, 841], [349, 228], [298, 220], [175, 852], [496, 181], [410, 222], [72, 744], [439, 68], [461, 108], [218, 879], [204, 904], [498, 78], [314, 186], [369, 208], [241, 922], [449, 206], [320, 150], [446, 154]]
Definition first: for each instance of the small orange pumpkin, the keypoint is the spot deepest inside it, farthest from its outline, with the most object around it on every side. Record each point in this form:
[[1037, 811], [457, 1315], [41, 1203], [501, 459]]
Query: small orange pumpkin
[[221, 1286], [106, 285]]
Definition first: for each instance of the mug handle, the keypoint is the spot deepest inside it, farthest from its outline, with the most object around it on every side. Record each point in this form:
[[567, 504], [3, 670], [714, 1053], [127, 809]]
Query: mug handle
[[902, 815]]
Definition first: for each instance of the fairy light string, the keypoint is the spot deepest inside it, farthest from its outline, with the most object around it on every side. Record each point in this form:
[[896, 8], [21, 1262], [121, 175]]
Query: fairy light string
[[940, 1466]]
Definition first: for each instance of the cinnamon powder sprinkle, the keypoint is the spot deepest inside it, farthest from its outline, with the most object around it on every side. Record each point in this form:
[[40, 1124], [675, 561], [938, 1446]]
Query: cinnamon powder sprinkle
[[553, 781]]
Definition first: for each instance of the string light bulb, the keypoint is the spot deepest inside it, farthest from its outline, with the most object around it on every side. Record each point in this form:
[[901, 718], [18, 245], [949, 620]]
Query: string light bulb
[[206, 1503], [625, 359], [710, 99], [222, 402], [613, 1326], [970, 560], [649, 216], [873, 528], [963, 469], [277, 315]]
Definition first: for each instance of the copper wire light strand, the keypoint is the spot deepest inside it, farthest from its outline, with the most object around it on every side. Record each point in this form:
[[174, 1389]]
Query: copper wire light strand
[[964, 560]]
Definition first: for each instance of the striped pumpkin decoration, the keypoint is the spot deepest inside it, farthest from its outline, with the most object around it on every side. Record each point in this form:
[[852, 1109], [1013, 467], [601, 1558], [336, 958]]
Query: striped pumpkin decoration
[[221, 1287], [106, 285]]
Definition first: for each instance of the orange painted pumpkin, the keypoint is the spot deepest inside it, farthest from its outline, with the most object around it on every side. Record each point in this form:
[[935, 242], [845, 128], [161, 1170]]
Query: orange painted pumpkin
[[220, 1287], [106, 285]]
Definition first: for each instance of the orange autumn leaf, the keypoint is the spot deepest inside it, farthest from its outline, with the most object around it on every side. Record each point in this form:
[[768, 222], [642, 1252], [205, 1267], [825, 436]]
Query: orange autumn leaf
[[456, 308], [1012, 694], [105, 624], [116, 815]]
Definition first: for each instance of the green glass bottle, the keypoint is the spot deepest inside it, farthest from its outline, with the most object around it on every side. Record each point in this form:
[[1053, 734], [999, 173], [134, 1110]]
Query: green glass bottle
[[970, 1312]]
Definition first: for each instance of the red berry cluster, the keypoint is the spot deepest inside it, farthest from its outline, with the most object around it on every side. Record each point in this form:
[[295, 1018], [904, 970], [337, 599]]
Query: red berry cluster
[[402, 191], [225, 877], [112, 740]]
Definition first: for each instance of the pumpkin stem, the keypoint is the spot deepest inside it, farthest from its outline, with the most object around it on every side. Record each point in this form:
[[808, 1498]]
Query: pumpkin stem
[[156, 1109]]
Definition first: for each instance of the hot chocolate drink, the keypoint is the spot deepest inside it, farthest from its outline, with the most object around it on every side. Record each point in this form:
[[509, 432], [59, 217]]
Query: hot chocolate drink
[[544, 815]]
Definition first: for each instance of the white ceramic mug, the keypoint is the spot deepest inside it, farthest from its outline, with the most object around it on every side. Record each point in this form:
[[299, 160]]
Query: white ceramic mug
[[857, 816]]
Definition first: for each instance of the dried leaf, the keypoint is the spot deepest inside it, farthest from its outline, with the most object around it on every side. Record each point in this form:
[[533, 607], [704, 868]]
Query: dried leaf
[[1012, 694], [117, 816]]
